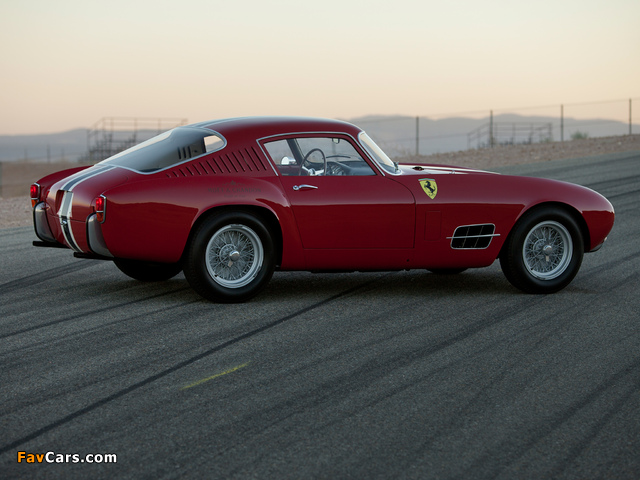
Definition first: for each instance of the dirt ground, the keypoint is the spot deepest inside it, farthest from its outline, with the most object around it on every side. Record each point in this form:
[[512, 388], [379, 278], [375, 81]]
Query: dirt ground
[[16, 211], [537, 152]]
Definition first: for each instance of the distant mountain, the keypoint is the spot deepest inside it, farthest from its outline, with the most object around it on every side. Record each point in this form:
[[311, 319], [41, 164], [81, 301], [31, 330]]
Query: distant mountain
[[67, 145], [71, 145], [395, 134]]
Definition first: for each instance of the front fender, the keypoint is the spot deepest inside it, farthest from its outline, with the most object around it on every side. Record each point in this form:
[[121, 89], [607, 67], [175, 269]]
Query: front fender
[[597, 213]]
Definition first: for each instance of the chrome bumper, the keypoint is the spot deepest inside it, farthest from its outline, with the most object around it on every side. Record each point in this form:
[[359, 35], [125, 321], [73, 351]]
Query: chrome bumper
[[40, 223], [95, 239]]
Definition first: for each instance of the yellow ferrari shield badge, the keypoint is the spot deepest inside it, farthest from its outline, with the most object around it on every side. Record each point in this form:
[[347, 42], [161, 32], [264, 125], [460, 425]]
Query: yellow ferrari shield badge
[[429, 186]]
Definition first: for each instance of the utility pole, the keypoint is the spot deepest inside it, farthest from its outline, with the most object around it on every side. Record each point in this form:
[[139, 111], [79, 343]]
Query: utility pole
[[562, 123], [630, 117]]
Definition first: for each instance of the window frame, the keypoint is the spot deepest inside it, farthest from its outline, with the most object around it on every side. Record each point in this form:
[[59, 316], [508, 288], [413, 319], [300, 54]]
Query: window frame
[[359, 149]]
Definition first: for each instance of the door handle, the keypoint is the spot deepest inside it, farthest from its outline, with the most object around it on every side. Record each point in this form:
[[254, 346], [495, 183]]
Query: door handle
[[304, 187]]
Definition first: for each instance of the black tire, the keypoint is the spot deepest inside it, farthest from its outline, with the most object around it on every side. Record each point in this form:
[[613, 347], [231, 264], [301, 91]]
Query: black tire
[[230, 257], [148, 271], [544, 251], [446, 271]]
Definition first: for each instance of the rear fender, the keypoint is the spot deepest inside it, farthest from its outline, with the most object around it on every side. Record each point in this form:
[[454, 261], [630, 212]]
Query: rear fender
[[49, 180], [57, 176], [151, 219]]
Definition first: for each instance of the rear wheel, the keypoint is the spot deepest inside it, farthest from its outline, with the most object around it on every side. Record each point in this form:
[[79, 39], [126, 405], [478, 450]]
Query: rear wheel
[[230, 257], [544, 251], [148, 271]]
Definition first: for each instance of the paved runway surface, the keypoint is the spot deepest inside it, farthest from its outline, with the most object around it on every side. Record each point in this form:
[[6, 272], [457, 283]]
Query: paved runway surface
[[381, 375]]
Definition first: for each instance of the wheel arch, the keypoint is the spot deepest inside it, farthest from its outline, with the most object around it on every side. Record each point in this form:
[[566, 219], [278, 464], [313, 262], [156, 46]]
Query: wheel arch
[[263, 213], [569, 209]]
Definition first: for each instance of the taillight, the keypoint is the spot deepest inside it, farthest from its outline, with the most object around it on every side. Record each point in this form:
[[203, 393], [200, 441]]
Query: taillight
[[35, 194], [101, 205]]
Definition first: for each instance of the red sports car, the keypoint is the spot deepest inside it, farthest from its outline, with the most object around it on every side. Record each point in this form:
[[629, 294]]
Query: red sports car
[[230, 201]]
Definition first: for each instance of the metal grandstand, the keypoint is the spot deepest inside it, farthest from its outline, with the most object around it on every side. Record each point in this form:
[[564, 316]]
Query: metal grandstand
[[111, 135]]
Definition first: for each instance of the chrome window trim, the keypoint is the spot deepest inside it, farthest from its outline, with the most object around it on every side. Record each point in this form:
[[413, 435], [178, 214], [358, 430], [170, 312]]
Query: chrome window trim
[[275, 137], [382, 170], [224, 144]]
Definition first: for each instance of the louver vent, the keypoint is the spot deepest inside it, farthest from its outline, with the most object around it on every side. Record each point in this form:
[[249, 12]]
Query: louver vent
[[473, 236], [243, 161]]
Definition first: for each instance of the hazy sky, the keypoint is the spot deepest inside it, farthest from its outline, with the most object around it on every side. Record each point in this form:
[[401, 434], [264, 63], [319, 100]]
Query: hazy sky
[[65, 63]]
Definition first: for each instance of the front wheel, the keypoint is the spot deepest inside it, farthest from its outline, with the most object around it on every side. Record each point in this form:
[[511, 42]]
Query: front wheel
[[230, 257], [544, 251]]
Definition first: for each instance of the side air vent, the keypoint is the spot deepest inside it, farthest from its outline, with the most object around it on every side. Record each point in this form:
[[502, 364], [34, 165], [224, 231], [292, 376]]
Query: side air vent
[[190, 151], [241, 161], [244, 161], [473, 236]]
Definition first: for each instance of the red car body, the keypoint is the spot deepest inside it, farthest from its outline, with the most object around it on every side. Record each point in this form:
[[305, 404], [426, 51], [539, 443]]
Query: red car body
[[357, 212]]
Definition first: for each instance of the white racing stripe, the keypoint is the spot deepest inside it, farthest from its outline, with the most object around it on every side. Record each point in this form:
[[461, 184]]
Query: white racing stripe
[[84, 175], [66, 209]]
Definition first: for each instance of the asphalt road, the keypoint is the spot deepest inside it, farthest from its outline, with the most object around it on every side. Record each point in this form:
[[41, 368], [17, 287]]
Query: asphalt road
[[381, 375]]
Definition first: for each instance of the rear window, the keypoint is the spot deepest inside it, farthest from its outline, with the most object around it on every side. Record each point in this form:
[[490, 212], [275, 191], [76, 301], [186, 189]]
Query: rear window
[[168, 149]]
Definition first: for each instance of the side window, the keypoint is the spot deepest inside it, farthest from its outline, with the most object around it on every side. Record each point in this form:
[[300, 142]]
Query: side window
[[317, 156], [281, 154]]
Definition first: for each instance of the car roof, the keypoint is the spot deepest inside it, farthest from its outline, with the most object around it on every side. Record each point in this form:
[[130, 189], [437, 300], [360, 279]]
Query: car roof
[[266, 126]]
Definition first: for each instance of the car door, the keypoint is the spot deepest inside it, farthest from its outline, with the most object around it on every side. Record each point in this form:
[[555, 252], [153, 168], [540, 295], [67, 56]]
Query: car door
[[339, 201]]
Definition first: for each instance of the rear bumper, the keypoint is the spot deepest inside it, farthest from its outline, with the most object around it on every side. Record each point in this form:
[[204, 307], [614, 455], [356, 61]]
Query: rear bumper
[[40, 223], [94, 238]]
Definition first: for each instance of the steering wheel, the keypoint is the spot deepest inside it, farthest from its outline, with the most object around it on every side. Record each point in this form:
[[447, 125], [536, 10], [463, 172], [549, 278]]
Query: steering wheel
[[311, 170]]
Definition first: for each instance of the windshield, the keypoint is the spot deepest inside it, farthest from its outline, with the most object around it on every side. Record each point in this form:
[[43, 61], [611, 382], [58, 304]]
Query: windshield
[[168, 149], [377, 154]]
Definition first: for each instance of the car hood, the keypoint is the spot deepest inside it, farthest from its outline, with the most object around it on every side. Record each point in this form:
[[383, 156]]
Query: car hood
[[408, 169]]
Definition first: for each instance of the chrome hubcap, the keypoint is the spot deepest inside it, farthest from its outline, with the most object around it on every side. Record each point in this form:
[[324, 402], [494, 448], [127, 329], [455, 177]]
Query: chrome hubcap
[[234, 256], [547, 250]]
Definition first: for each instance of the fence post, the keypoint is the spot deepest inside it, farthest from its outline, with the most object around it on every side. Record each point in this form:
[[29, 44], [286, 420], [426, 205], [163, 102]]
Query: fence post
[[562, 123], [491, 128], [417, 136]]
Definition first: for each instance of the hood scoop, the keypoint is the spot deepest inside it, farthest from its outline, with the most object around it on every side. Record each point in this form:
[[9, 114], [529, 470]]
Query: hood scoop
[[440, 170], [434, 170]]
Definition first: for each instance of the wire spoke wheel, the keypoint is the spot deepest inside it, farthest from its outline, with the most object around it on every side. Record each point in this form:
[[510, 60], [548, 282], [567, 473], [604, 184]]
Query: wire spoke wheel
[[230, 257], [544, 250], [234, 256], [547, 250]]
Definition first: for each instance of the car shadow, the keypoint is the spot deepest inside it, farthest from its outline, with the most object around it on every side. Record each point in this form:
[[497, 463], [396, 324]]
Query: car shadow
[[309, 287], [406, 284]]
